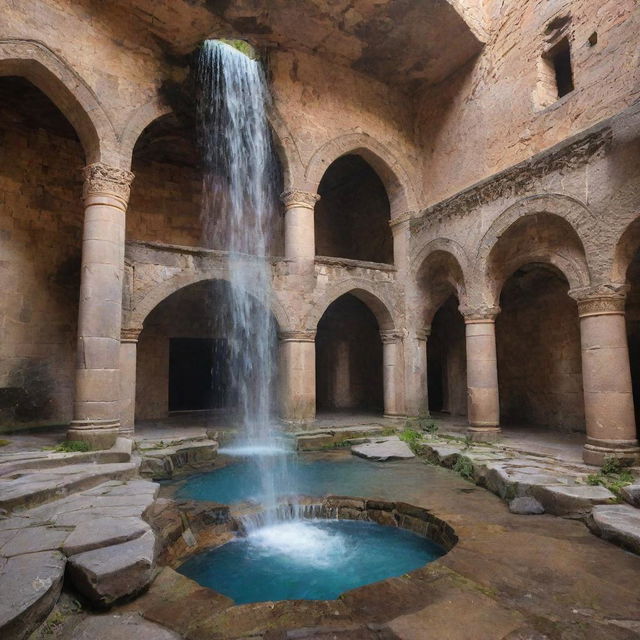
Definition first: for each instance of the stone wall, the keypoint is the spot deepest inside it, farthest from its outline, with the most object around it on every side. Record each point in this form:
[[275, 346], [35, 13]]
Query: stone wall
[[486, 117], [40, 251]]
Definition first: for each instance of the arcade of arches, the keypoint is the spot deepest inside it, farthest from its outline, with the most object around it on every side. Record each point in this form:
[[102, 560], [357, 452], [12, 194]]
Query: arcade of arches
[[397, 288]]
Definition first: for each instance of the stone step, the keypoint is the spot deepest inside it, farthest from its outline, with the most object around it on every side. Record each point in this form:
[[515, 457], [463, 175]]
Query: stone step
[[12, 463], [35, 487], [176, 458], [101, 532], [618, 523], [30, 585], [383, 449], [327, 438]]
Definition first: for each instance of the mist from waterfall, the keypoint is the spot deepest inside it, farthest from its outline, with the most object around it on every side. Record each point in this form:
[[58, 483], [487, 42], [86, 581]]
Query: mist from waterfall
[[239, 216]]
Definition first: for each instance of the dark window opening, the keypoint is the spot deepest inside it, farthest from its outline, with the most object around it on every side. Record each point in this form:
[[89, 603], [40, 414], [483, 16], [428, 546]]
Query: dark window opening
[[560, 56], [198, 374]]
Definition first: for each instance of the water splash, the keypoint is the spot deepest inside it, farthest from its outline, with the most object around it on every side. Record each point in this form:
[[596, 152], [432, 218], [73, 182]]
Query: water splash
[[238, 216]]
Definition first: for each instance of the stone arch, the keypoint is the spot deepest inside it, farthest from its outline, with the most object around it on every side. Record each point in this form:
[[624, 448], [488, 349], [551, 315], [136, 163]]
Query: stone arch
[[566, 222], [439, 270], [625, 249], [145, 115], [361, 289], [51, 74], [139, 120], [163, 290], [393, 175]]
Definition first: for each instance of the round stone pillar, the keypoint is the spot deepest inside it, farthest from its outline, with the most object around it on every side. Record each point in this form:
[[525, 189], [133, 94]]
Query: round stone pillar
[[417, 395], [391, 373], [97, 402], [298, 375], [128, 361], [483, 404], [606, 377], [299, 231]]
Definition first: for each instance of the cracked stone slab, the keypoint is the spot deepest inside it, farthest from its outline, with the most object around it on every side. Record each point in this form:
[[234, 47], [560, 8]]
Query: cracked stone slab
[[103, 532], [572, 500], [30, 585], [34, 539], [618, 523], [385, 449], [108, 574]]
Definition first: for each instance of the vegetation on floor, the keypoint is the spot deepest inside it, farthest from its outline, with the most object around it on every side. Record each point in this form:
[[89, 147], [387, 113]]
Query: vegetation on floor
[[412, 438], [4, 443], [612, 476], [464, 467], [71, 446]]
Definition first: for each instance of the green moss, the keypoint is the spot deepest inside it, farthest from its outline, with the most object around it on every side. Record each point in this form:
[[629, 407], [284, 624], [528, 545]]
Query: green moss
[[71, 446], [412, 438], [242, 46], [4, 443]]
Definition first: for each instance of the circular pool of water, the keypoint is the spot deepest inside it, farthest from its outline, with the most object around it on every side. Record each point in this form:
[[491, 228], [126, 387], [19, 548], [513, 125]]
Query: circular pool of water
[[309, 560]]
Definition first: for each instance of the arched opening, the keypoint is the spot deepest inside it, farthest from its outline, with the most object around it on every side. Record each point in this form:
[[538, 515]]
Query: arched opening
[[352, 215], [41, 244], [166, 193], [348, 359], [632, 315], [447, 361], [166, 204], [538, 349], [185, 359]]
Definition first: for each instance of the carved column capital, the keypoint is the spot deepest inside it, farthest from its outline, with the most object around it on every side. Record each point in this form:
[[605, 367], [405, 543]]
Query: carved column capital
[[601, 300], [478, 315], [423, 334], [297, 336], [298, 199], [104, 180], [391, 336], [130, 334]]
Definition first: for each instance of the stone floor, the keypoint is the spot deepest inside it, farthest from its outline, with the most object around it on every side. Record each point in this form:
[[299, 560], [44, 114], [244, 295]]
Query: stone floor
[[511, 576]]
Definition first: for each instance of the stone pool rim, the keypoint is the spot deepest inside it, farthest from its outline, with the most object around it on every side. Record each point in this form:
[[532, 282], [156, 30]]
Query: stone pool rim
[[398, 514]]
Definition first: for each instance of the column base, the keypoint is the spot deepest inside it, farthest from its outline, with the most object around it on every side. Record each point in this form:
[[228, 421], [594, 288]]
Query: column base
[[97, 434], [395, 416], [126, 432], [595, 452], [483, 434]]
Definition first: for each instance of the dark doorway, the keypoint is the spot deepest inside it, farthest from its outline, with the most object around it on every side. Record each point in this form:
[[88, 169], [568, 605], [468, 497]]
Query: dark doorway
[[198, 374]]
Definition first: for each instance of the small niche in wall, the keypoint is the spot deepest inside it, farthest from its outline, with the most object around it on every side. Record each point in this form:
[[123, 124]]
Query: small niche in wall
[[555, 78]]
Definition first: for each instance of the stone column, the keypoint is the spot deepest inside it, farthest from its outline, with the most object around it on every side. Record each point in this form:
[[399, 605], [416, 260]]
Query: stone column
[[128, 358], [392, 372], [606, 376], [417, 395], [299, 232], [298, 375], [97, 402], [400, 228], [483, 404]]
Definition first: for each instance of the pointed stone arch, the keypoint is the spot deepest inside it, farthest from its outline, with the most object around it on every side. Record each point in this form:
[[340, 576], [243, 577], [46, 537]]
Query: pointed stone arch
[[389, 169], [52, 75], [361, 289]]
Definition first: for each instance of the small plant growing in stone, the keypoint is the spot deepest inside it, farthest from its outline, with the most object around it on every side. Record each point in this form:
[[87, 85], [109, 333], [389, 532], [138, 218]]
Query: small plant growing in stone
[[72, 446], [4, 443], [412, 438], [464, 467], [612, 476]]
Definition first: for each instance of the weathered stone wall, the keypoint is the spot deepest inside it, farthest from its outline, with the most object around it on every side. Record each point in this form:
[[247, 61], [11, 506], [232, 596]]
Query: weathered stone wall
[[165, 205], [40, 245], [486, 118]]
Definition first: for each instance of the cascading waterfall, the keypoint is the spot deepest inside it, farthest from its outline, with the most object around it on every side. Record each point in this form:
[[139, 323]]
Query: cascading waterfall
[[238, 215]]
